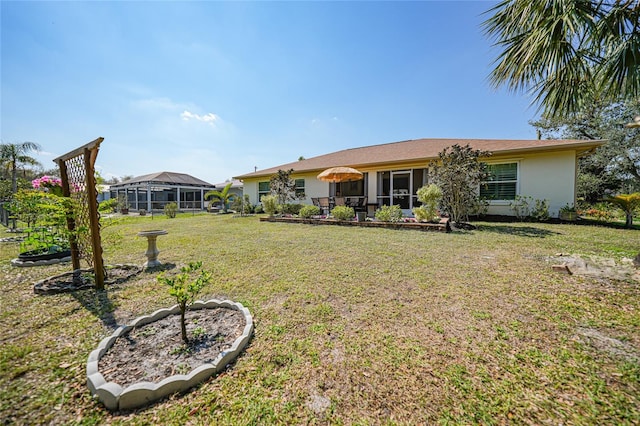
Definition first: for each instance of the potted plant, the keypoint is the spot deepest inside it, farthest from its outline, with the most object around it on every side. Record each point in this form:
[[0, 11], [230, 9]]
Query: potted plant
[[568, 213]]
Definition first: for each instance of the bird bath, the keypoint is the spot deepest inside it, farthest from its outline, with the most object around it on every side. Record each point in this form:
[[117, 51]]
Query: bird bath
[[152, 249]]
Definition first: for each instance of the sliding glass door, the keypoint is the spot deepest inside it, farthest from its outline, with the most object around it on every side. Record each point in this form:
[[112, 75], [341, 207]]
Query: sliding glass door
[[401, 189]]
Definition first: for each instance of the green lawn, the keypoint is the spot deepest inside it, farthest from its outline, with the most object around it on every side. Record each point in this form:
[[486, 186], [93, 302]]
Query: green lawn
[[352, 326]]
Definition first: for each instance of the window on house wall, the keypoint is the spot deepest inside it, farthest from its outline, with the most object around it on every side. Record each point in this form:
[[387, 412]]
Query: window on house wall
[[263, 189], [299, 187], [502, 183], [348, 189]]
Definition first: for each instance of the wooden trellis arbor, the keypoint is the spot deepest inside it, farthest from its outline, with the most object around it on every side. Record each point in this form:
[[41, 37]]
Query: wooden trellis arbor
[[79, 183]]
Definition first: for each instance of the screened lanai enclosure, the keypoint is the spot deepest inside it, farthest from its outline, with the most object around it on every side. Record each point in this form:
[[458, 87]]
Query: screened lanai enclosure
[[154, 191]]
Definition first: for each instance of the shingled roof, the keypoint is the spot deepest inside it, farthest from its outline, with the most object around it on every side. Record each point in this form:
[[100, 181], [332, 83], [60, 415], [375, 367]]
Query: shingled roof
[[165, 178], [422, 150]]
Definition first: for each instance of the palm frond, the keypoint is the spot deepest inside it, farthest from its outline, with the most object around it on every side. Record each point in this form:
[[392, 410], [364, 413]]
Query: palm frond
[[558, 50]]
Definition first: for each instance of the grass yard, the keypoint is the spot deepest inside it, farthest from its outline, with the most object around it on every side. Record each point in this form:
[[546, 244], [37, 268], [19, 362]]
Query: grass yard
[[352, 326]]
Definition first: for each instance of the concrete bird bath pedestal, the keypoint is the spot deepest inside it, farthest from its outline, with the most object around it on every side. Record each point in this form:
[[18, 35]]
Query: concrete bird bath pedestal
[[152, 249]]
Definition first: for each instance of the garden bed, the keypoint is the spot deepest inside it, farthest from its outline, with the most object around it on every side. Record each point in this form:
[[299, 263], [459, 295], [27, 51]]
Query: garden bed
[[83, 279], [443, 226], [145, 361]]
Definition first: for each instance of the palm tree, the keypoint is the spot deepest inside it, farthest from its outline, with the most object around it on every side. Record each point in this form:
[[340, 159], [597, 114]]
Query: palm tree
[[628, 203], [566, 51], [223, 196], [14, 155]]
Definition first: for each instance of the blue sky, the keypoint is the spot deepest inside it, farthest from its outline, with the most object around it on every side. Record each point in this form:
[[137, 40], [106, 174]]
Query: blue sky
[[215, 89]]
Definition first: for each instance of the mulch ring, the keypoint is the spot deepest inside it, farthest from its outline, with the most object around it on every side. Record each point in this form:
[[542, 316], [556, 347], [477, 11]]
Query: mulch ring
[[82, 279]]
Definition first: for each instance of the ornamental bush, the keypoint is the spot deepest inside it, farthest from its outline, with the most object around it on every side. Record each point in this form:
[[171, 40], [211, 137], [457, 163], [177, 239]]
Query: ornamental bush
[[525, 207], [49, 184], [171, 209], [309, 211], [108, 206], [429, 196], [389, 213], [291, 208], [242, 205], [343, 212], [269, 204]]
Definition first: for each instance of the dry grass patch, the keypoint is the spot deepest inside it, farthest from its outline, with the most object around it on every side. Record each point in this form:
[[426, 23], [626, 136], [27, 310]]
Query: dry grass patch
[[353, 326]]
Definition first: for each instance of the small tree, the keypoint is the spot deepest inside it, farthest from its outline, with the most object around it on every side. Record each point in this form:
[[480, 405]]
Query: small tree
[[185, 289], [429, 196], [223, 196], [123, 203], [283, 187], [628, 203], [459, 173]]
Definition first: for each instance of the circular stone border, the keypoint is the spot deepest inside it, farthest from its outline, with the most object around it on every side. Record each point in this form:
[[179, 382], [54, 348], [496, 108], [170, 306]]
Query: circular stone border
[[28, 263], [11, 240], [115, 398]]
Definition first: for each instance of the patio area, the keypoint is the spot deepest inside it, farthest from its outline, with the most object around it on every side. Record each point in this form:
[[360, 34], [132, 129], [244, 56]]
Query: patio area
[[443, 226]]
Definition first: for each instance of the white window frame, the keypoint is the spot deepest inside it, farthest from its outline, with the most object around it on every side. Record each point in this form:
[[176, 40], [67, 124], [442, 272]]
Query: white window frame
[[261, 193], [299, 189], [517, 182]]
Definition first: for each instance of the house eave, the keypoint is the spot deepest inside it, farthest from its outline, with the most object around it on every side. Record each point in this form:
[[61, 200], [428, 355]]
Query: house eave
[[582, 149]]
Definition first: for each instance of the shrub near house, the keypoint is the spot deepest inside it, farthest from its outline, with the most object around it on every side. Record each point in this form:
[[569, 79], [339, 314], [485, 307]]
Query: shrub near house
[[309, 211], [389, 213], [343, 213]]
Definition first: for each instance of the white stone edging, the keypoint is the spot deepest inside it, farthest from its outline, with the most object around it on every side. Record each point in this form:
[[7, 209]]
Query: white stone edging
[[28, 263], [114, 397]]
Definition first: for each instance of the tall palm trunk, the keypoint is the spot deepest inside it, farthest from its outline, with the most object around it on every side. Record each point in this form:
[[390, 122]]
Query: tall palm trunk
[[14, 177]]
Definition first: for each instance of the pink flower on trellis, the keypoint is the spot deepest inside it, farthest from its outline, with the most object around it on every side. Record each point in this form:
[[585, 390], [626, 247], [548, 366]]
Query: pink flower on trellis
[[49, 184]]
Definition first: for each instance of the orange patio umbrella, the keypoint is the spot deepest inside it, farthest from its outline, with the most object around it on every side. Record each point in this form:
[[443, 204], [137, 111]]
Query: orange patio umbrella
[[340, 174]]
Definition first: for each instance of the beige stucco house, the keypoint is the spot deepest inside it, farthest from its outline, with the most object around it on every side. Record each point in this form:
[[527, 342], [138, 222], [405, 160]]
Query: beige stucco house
[[393, 172]]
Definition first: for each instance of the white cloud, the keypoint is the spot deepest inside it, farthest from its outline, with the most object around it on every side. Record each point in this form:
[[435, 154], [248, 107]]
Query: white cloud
[[210, 118], [46, 154], [157, 104]]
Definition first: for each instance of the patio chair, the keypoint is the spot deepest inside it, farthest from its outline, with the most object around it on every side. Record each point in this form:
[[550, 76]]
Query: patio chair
[[323, 203], [338, 201], [359, 204], [315, 201]]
